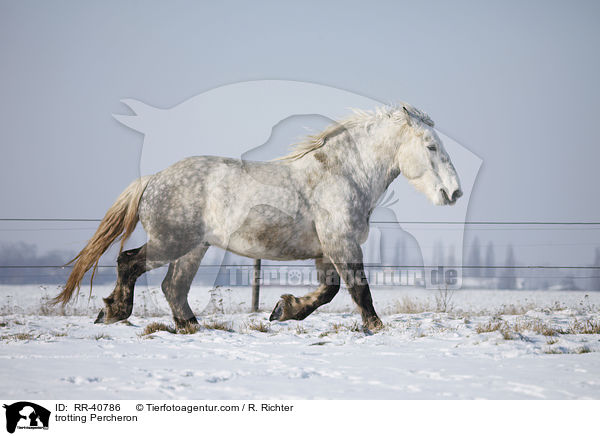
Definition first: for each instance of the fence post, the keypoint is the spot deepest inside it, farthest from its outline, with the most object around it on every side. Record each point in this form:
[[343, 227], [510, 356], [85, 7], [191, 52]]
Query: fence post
[[255, 285]]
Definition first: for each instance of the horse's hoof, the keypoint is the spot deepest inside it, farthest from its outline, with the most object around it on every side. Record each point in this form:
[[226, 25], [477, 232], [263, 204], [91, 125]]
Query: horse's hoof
[[103, 319], [288, 307], [184, 324], [373, 325], [100, 318], [278, 311]]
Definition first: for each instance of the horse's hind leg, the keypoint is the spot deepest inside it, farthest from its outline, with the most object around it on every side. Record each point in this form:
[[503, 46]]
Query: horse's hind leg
[[131, 264], [177, 282], [290, 307], [119, 304]]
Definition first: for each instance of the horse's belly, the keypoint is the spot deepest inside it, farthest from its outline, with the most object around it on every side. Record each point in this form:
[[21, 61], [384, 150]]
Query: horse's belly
[[284, 251], [267, 233]]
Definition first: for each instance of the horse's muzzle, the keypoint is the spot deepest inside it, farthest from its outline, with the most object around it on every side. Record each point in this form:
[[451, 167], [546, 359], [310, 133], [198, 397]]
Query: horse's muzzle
[[100, 318], [451, 200]]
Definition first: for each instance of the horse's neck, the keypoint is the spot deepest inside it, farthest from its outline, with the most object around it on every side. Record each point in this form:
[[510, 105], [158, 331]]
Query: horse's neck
[[372, 162], [367, 158]]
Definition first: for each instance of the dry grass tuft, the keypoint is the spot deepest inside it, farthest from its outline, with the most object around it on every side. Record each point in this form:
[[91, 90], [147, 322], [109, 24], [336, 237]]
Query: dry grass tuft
[[512, 309], [490, 326], [355, 327], [100, 336], [579, 350], [300, 330], [537, 326], [497, 326], [338, 327], [17, 337], [587, 327], [410, 305], [217, 325], [509, 331], [154, 327], [189, 329], [533, 325], [259, 326]]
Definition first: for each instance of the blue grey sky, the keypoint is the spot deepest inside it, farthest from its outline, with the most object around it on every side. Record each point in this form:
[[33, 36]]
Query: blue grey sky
[[514, 82]]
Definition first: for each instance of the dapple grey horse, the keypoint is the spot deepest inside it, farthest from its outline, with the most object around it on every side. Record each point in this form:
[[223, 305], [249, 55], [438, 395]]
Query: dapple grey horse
[[312, 204]]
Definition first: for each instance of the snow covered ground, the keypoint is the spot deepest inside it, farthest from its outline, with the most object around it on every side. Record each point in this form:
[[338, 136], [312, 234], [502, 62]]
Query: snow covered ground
[[470, 344]]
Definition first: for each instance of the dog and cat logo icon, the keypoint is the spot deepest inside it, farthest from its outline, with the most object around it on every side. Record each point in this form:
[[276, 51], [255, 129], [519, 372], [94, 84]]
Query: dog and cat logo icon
[[26, 415]]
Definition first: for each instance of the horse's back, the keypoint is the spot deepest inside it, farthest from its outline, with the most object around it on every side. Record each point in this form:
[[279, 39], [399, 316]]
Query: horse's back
[[252, 208]]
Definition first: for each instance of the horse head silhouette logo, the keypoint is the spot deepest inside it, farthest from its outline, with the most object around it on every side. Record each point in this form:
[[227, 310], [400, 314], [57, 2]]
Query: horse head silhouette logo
[[24, 414], [237, 120]]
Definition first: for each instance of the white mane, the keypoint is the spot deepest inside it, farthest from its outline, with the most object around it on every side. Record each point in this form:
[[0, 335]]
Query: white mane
[[358, 118]]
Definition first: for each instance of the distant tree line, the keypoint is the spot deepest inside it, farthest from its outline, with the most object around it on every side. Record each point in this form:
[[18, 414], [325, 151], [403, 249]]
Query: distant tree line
[[504, 276], [21, 254]]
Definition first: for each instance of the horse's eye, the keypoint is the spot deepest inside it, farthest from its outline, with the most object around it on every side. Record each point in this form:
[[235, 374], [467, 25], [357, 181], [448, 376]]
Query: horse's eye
[[432, 147]]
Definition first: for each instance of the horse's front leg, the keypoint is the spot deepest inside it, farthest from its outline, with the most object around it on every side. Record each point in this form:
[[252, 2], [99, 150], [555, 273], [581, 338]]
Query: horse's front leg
[[355, 278], [290, 307], [348, 260]]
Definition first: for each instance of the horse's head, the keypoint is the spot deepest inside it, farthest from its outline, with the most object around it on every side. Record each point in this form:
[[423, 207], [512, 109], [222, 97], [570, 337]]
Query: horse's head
[[424, 161]]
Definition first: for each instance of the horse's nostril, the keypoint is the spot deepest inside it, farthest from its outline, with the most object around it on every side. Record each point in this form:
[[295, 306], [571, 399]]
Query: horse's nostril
[[456, 195], [445, 196]]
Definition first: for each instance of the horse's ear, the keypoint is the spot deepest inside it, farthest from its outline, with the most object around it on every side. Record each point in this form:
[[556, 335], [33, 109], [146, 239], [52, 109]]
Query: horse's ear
[[144, 116], [407, 116]]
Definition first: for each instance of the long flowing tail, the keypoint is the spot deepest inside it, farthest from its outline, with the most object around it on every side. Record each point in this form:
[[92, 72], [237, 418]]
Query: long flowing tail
[[120, 221]]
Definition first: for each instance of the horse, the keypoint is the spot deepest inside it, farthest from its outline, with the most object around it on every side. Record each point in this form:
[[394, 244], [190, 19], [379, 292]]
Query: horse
[[313, 203]]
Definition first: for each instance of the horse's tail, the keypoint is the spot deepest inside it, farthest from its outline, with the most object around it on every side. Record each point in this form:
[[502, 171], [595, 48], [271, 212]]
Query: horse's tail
[[119, 222]]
